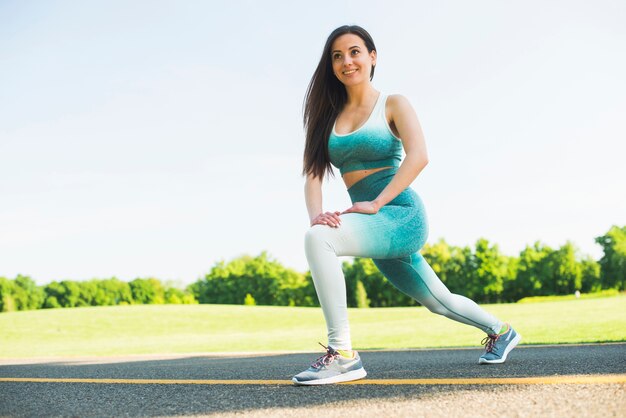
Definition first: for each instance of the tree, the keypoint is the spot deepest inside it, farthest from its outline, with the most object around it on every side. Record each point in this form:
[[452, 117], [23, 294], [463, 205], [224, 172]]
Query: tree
[[88, 292], [509, 279], [486, 270], [361, 296], [567, 273], [613, 262], [111, 292], [7, 303], [266, 279], [177, 296], [20, 294], [590, 275], [147, 291], [307, 295], [534, 264], [380, 292], [439, 257], [449, 263], [64, 294], [28, 294], [294, 289]]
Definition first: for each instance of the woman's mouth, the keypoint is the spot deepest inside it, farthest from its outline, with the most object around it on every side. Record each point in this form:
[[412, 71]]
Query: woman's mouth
[[348, 72]]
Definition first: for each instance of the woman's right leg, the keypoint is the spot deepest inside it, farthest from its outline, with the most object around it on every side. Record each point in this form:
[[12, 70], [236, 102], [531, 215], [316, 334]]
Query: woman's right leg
[[323, 245], [320, 245], [358, 235]]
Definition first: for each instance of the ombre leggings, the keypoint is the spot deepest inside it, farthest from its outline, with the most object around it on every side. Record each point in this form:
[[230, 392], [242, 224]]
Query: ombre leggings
[[392, 238]]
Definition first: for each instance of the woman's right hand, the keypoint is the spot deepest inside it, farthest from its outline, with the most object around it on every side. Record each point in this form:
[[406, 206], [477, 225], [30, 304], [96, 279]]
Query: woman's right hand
[[329, 218]]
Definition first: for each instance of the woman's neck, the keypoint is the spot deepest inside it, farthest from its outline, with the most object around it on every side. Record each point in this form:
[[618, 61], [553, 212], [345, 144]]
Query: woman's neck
[[360, 94]]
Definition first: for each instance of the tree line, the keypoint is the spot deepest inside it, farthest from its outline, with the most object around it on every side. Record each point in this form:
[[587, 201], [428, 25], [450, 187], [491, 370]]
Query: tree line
[[481, 273], [22, 293]]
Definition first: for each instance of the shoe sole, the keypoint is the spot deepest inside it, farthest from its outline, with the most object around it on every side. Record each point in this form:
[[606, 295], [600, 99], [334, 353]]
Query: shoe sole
[[507, 350], [345, 377]]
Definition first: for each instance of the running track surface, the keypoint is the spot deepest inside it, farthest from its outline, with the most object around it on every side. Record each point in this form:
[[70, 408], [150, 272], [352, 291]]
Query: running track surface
[[260, 385]]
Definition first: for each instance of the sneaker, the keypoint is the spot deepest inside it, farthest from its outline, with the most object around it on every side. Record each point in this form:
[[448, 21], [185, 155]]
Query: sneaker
[[498, 346], [332, 367]]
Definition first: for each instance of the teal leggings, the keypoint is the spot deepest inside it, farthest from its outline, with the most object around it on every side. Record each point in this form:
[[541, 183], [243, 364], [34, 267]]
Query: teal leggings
[[392, 238]]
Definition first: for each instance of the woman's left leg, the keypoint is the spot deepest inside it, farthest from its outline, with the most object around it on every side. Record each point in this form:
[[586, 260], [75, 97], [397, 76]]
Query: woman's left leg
[[414, 276]]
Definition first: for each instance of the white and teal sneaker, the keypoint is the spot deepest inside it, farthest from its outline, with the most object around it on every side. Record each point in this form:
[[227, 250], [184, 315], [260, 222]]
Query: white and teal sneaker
[[498, 346], [332, 367]]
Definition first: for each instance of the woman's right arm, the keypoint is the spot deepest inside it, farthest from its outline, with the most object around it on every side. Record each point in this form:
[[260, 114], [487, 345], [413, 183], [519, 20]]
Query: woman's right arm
[[313, 199]]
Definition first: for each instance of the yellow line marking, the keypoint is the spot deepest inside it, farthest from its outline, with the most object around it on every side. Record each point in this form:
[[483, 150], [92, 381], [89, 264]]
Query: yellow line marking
[[542, 380]]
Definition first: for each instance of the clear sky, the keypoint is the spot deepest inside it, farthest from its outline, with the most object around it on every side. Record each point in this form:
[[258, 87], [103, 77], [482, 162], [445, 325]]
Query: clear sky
[[155, 138]]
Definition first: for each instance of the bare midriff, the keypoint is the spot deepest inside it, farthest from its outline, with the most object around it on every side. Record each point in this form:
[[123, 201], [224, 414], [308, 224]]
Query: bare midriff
[[354, 176]]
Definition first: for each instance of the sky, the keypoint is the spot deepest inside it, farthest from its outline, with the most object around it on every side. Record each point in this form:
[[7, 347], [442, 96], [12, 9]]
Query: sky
[[157, 138]]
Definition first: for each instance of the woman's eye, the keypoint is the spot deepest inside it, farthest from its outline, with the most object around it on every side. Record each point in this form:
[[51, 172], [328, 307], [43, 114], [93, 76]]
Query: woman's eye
[[355, 51], [336, 56]]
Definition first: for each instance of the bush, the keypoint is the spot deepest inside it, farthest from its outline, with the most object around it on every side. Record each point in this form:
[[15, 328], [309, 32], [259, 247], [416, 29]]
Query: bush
[[249, 300], [147, 291], [266, 279]]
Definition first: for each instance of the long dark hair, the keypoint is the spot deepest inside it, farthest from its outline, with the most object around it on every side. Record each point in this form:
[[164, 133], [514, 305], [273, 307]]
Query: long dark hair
[[324, 99]]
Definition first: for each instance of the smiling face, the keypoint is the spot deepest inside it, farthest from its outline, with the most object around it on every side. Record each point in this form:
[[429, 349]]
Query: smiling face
[[352, 62]]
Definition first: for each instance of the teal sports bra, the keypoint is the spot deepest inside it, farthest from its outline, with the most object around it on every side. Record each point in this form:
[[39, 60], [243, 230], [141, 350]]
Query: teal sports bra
[[372, 145]]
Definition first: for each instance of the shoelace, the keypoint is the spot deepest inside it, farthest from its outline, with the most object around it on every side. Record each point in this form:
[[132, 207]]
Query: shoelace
[[326, 359], [489, 341]]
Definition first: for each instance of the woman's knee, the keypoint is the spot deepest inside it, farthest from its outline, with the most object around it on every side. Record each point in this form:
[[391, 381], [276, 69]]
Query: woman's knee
[[317, 237], [315, 233]]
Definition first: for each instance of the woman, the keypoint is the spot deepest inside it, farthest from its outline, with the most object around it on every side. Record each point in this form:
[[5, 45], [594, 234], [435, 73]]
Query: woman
[[362, 132]]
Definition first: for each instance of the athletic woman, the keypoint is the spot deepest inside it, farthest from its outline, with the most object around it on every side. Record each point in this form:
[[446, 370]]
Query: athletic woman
[[363, 133]]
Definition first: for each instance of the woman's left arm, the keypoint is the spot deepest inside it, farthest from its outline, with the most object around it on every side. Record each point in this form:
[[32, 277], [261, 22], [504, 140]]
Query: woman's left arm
[[405, 120]]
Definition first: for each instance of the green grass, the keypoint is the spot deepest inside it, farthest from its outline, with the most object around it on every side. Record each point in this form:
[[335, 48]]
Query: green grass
[[144, 329], [595, 295]]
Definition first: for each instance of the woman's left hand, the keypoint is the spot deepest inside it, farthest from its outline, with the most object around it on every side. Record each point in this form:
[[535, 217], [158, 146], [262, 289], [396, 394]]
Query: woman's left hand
[[362, 207]]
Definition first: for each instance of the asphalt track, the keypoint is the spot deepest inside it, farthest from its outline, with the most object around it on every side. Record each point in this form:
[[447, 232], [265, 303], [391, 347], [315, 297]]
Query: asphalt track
[[569, 380]]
